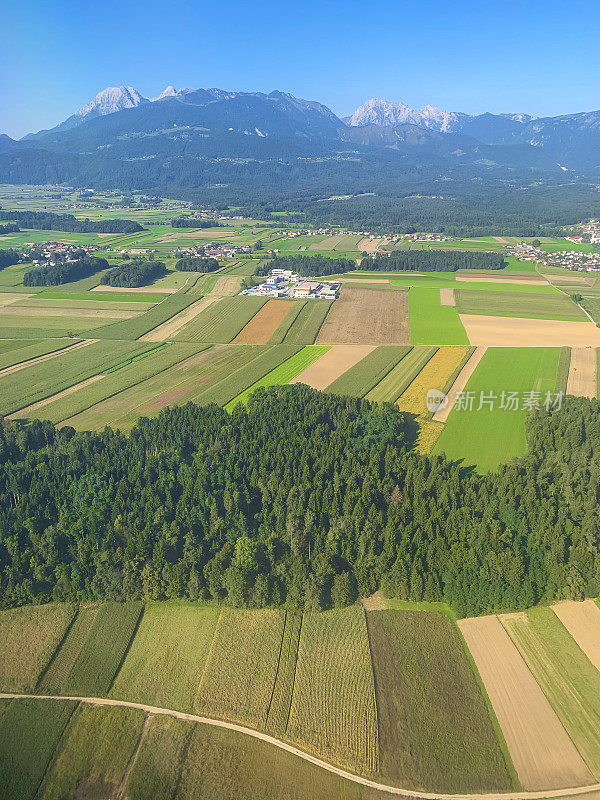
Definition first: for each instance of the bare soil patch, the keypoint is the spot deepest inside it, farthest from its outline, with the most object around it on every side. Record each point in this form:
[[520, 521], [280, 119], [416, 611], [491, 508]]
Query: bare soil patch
[[542, 752], [25, 412], [102, 287], [367, 245], [583, 280], [366, 316], [6, 298], [460, 383], [376, 602], [332, 364], [582, 620], [517, 332], [582, 372], [264, 323], [447, 297]]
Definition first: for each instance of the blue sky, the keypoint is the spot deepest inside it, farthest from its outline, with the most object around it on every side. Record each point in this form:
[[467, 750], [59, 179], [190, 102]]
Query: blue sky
[[533, 56]]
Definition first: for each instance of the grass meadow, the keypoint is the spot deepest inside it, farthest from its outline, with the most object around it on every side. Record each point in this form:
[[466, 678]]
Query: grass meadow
[[487, 437], [399, 378], [530, 305], [431, 322]]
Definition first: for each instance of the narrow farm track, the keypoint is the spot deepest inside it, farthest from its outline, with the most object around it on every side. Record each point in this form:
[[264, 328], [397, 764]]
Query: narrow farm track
[[46, 357], [591, 791]]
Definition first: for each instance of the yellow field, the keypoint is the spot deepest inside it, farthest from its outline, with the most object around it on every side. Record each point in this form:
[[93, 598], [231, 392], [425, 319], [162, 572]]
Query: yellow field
[[434, 375]]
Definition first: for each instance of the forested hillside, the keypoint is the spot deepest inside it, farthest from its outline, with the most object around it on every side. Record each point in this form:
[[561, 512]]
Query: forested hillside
[[302, 499]]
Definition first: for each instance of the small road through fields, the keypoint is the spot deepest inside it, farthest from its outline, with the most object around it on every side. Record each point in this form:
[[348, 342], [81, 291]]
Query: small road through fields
[[592, 791]]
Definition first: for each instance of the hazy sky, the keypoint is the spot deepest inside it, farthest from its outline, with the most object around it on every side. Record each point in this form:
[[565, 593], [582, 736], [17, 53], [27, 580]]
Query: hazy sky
[[490, 55]]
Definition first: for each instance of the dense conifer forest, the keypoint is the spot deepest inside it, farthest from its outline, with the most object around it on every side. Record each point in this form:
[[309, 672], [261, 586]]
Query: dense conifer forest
[[301, 499], [197, 264], [308, 265], [8, 257], [433, 261]]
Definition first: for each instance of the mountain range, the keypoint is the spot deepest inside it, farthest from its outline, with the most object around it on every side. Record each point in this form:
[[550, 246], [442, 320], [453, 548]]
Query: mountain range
[[233, 148]]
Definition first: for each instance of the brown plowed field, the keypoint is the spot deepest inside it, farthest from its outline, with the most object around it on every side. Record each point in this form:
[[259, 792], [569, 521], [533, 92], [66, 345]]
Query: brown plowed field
[[366, 316], [582, 372], [582, 620], [264, 323], [447, 297], [516, 332], [332, 364], [542, 752]]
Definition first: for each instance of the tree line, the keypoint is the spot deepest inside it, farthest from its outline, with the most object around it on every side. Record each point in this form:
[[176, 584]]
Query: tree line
[[433, 261], [197, 264], [308, 265], [136, 272], [65, 272], [48, 221], [302, 500], [9, 228], [187, 222]]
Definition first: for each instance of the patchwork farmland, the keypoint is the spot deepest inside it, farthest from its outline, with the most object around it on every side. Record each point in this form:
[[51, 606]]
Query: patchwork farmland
[[406, 697]]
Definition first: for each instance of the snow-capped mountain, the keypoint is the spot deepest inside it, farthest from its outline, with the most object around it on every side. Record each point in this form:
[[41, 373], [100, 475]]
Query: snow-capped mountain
[[389, 114], [111, 99]]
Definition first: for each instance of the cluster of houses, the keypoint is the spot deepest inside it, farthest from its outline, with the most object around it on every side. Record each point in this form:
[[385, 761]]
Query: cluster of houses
[[218, 251], [567, 259], [50, 253], [285, 283]]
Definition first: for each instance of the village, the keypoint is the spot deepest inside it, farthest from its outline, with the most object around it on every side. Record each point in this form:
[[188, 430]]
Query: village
[[567, 259], [285, 283]]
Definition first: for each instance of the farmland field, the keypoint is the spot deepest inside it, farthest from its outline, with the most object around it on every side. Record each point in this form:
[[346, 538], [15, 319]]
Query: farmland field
[[66, 654], [166, 659], [264, 323], [93, 753], [156, 770], [281, 700], [241, 688], [434, 375], [366, 316], [431, 322], [362, 377], [29, 734], [489, 436], [332, 364], [399, 378], [566, 676], [284, 373], [100, 657], [284, 326], [306, 326], [532, 305], [434, 726], [29, 638], [16, 351], [222, 321], [333, 709]]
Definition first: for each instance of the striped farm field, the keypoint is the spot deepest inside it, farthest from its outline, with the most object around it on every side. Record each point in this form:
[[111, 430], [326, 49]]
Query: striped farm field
[[530, 305], [582, 620], [17, 351], [29, 637], [484, 434], [332, 364], [430, 321], [96, 742], [165, 662], [155, 316], [283, 373], [264, 323], [333, 709], [66, 654], [284, 326], [362, 377], [100, 657], [565, 674], [281, 700], [401, 376], [160, 758], [366, 316], [434, 726], [222, 321], [434, 375], [308, 322], [543, 755], [240, 673]]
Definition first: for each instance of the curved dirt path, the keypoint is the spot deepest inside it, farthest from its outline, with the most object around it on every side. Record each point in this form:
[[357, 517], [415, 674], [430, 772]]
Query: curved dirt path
[[591, 791]]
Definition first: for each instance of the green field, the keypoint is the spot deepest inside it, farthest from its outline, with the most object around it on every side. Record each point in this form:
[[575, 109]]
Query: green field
[[568, 679], [307, 324], [102, 297], [66, 654], [167, 657], [282, 329], [222, 321], [389, 389], [155, 316], [362, 377], [487, 438], [16, 351], [282, 374], [100, 657], [434, 725], [431, 322], [521, 304], [38, 381]]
